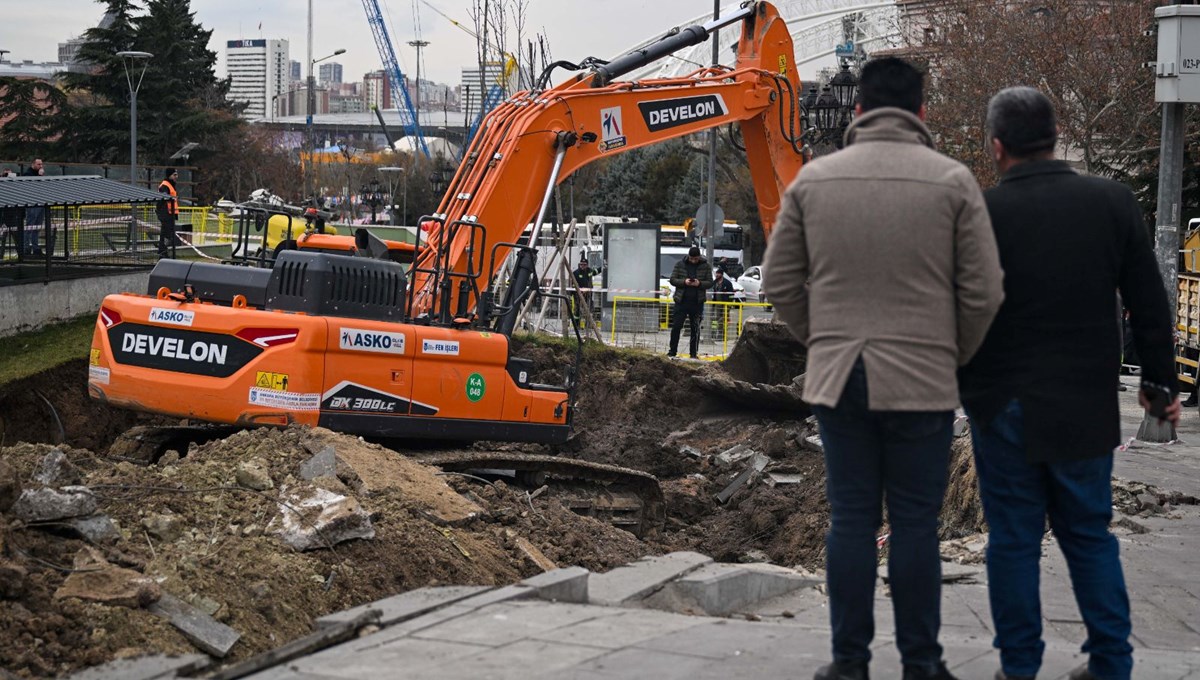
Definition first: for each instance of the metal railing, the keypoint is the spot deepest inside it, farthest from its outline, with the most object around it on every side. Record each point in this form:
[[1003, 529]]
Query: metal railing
[[68, 241], [645, 322]]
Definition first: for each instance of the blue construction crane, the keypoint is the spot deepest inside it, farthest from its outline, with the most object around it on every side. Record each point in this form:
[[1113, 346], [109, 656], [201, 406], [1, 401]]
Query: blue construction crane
[[383, 42]]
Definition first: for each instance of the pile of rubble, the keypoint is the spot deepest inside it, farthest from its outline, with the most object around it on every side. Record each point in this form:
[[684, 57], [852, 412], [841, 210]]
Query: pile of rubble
[[239, 545]]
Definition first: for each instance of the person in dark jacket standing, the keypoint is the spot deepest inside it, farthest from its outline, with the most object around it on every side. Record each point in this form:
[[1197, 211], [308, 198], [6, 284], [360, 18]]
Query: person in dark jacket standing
[[1041, 392], [168, 213], [722, 291], [35, 216], [583, 282], [691, 277]]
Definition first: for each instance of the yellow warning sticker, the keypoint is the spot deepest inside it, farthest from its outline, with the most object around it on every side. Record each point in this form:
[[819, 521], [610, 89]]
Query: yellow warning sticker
[[783, 64], [271, 381], [94, 358]]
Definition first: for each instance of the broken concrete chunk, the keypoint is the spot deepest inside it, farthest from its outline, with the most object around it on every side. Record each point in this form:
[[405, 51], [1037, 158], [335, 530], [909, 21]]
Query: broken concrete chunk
[[254, 474], [782, 478], [43, 505], [166, 528], [96, 580], [733, 455], [55, 469], [534, 555], [97, 528], [10, 486], [314, 518], [758, 462], [691, 451], [962, 426], [208, 634], [1149, 502], [813, 442], [323, 464]]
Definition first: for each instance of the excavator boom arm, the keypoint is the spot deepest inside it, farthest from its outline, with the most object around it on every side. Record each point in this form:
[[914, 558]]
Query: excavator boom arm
[[535, 140]]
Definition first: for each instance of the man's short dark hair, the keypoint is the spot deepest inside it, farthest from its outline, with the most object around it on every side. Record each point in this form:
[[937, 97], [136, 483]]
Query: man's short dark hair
[[888, 81], [693, 252], [1023, 120]]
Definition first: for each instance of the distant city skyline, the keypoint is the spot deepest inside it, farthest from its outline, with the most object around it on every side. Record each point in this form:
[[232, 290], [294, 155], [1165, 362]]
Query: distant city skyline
[[575, 29]]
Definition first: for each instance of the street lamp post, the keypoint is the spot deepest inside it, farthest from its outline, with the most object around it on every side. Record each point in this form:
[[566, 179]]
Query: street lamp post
[[130, 60], [312, 107]]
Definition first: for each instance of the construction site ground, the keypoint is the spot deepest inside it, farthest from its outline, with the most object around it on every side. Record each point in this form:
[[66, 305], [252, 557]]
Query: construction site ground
[[203, 526]]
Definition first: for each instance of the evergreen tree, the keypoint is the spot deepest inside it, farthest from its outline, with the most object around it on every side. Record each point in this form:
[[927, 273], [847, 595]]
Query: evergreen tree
[[180, 99], [96, 128], [31, 108], [621, 185], [688, 194]]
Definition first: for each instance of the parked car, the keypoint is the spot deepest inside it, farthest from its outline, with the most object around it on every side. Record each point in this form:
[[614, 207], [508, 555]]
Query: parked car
[[751, 282]]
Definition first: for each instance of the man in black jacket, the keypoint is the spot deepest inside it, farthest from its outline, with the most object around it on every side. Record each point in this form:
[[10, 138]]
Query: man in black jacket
[[1042, 390], [691, 276]]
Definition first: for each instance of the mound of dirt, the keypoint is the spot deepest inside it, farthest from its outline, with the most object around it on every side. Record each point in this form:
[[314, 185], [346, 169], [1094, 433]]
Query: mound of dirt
[[194, 527]]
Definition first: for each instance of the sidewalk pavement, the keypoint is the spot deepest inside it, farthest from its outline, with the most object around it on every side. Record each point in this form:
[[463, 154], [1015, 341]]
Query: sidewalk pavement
[[509, 633]]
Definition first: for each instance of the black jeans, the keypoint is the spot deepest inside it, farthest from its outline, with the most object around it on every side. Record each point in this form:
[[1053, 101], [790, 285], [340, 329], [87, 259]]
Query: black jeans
[[166, 237], [693, 311], [868, 453]]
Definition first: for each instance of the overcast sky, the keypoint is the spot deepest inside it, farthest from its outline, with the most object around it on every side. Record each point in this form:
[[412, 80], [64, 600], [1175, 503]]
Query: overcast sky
[[32, 29]]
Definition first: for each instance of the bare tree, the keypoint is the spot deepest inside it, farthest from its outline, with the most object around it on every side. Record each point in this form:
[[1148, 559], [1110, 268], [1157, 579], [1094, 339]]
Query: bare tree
[[1086, 57]]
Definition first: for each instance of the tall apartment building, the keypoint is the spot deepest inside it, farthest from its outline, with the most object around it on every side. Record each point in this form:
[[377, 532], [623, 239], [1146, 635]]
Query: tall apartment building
[[377, 90], [259, 73], [329, 73], [296, 73], [473, 98]]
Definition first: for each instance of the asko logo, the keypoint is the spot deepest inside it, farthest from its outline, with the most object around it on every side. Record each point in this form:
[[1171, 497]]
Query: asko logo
[[176, 317], [372, 341]]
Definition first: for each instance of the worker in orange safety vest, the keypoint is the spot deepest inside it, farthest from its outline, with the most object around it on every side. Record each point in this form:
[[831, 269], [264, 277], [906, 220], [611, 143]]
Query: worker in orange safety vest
[[168, 213]]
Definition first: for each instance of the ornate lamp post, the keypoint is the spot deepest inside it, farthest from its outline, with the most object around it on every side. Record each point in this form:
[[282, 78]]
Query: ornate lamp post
[[391, 171]]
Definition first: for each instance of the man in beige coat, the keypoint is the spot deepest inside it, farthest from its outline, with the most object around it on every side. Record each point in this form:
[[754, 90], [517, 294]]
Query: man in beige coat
[[883, 263]]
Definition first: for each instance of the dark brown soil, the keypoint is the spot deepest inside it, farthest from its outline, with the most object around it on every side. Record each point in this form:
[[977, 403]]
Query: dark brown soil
[[69, 416]]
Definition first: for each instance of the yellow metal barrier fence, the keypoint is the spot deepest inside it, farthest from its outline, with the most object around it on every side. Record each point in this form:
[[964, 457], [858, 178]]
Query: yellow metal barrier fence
[[645, 322]]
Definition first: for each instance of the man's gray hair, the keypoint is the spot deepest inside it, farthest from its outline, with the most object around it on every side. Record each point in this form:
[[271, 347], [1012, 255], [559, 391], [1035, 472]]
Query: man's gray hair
[[1022, 118]]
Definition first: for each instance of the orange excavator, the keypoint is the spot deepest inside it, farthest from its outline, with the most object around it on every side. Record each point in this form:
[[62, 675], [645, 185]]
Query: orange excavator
[[345, 337]]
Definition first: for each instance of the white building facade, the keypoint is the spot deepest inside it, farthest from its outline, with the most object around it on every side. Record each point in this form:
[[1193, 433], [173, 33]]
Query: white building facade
[[259, 75], [473, 98]]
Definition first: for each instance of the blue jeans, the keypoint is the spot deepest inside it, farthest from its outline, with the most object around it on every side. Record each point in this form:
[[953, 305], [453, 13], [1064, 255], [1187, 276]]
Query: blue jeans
[[868, 453], [1077, 495]]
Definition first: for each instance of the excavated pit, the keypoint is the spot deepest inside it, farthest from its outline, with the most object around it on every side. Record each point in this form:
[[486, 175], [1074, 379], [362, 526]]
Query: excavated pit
[[633, 410]]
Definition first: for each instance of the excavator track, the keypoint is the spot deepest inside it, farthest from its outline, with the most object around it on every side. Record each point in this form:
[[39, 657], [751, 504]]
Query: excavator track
[[628, 499]]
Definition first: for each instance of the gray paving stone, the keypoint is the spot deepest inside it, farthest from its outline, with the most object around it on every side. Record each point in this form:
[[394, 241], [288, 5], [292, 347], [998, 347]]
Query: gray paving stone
[[628, 628], [144, 668], [504, 624], [569, 584], [517, 661], [721, 638], [627, 584], [208, 634], [722, 589], [287, 673], [408, 658], [404, 629], [405, 605], [642, 663]]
